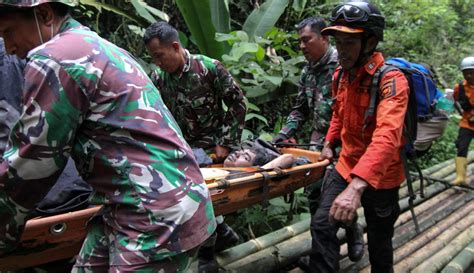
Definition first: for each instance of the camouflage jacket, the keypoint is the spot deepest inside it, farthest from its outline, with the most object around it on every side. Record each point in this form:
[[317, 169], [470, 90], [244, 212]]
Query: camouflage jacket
[[11, 86], [196, 96], [314, 97], [97, 104]]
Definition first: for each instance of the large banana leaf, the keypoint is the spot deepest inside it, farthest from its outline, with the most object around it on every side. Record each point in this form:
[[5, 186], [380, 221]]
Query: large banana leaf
[[110, 7], [264, 18], [220, 15], [197, 16]]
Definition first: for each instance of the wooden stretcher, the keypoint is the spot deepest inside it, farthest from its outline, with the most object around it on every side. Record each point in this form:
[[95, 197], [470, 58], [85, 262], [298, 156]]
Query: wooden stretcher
[[60, 237]]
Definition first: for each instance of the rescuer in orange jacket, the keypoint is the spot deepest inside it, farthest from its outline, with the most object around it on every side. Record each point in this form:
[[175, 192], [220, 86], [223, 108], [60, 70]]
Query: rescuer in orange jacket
[[369, 170], [464, 95]]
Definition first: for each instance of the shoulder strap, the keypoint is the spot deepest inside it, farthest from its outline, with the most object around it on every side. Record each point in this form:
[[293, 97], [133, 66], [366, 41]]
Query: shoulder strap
[[338, 79], [374, 89]]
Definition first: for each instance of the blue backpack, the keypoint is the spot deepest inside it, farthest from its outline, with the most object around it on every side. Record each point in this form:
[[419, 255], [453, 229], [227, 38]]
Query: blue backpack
[[421, 105], [423, 123]]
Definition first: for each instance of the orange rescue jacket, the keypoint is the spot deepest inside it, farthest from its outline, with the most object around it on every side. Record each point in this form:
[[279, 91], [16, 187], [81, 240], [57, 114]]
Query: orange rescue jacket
[[371, 149], [469, 91]]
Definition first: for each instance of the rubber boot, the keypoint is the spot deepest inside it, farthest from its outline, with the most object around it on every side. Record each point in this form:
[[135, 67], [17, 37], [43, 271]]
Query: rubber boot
[[355, 242], [226, 237], [461, 166], [207, 262]]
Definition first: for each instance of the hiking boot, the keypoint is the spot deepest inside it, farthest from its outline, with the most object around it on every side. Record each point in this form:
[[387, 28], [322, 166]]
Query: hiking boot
[[355, 242], [303, 263], [226, 237]]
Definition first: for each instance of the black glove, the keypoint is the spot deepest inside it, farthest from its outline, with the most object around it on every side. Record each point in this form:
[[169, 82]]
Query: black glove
[[280, 137]]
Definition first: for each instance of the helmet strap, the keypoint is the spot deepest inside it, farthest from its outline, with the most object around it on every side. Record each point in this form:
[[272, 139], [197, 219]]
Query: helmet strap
[[363, 56], [37, 26]]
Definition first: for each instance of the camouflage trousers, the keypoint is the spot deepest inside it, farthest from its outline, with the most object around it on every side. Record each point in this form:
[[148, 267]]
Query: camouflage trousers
[[101, 247]]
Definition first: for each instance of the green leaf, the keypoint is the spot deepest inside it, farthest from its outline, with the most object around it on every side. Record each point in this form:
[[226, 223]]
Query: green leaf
[[252, 106], [246, 134], [260, 54], [220, 15], [256, 116], [254, 91], [221, 37], [264, 18], [238, 50], [299, 5], [139, 6], [158, 13], [117, 10], [274, 79], [137, 30], [265, 136], [197, 15], [242, 35]]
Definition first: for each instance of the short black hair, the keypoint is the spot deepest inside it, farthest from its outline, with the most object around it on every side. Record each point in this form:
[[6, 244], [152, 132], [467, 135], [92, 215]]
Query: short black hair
[[316, 23], [163, 31]]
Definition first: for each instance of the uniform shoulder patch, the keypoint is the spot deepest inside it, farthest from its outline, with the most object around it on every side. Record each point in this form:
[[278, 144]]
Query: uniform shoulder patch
[[388, 89]]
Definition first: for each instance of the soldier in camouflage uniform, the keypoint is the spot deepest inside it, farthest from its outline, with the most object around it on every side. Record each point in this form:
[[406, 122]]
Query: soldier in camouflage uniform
[[84, 97], [314, 102], [194, 88]]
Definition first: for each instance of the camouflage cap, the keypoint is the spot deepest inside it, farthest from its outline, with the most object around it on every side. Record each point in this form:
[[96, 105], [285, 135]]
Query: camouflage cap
[[33, 3]]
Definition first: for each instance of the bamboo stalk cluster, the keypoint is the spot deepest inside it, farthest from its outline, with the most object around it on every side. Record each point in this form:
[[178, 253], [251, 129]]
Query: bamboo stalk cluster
[[445, 243]]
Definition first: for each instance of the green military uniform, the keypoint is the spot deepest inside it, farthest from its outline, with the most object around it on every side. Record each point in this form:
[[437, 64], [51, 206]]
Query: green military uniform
[[195, 97], [314, 100], [96, 104]]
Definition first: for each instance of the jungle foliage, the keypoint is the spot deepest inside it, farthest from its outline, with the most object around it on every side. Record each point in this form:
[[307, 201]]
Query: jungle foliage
[[256, 40]]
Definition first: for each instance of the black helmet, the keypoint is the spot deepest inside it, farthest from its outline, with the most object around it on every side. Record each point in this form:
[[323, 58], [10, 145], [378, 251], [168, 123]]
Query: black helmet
[[356, 17]]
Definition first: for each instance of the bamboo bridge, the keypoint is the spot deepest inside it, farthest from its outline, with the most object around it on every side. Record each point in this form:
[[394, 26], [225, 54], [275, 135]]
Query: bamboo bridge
[[444, 244]]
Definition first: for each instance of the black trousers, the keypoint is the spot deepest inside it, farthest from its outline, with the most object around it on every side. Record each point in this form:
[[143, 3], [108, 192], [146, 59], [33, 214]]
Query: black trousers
[[381, 210], [464, 140]]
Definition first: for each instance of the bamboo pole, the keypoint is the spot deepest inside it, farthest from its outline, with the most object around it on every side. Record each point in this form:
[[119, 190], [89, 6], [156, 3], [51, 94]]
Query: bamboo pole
[[456, 201], [431, 234], [437, 261], [462, 261], [402, 237], [406, 217], [240, 251], [430, 191], [252, 246], [419, 256], [273, 257], [256, 258], [440, 170]]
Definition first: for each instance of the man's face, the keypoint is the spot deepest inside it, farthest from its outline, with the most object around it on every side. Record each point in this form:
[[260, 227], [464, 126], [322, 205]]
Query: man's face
[[240, 158], [165, 56], [348, 47], [469, 76], [19, 33], [313, 45]]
